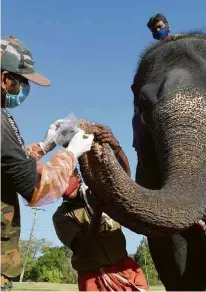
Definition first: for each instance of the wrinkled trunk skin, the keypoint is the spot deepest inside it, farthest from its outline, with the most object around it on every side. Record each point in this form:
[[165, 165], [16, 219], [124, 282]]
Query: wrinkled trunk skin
[[179, 130], [170, 90], [177, 122]]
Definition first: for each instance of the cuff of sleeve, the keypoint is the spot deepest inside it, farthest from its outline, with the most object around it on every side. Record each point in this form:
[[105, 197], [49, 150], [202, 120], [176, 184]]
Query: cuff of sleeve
[[41, 144]]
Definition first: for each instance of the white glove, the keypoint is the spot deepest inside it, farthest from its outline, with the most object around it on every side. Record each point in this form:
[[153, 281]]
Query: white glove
[[80, 143], [48, 143]]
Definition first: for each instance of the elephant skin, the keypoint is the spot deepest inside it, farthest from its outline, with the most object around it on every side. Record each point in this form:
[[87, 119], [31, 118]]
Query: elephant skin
[[170, 94]]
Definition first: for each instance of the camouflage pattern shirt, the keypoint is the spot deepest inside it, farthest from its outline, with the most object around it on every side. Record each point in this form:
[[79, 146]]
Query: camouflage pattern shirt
[[18, 174]]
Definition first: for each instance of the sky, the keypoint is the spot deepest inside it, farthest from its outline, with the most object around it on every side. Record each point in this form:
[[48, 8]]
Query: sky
[[89, 49]]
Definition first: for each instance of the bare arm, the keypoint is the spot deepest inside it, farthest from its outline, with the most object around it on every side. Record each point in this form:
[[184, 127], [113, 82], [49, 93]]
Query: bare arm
[[105, 135]]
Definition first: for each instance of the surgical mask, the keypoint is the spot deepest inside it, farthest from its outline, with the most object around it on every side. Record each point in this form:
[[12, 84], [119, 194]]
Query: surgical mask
[[161, 34], [14, 100]]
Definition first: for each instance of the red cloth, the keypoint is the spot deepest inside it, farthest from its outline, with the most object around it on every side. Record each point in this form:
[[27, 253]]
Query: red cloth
[[73, 185], [126, 275]]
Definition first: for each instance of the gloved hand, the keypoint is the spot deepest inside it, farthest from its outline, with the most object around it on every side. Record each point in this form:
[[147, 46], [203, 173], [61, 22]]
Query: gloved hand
[[48, 143], [80, 143]]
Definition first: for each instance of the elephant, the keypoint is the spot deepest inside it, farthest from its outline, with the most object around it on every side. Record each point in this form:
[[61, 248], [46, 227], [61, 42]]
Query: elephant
[[168, 198]]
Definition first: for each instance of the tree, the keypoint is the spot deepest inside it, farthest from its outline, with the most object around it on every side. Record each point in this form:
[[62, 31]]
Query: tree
[[144, 260], [55, 266], [46, 263], [37, 248]]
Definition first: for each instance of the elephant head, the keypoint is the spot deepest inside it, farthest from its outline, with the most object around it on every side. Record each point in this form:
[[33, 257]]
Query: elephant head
[[170, 93]]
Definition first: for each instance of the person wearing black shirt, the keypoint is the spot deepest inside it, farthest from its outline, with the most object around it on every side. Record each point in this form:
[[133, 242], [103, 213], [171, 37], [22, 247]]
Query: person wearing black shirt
[[21, 169]]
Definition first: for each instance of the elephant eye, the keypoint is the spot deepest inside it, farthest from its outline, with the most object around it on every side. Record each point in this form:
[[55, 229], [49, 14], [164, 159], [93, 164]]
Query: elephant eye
[[143, 103]]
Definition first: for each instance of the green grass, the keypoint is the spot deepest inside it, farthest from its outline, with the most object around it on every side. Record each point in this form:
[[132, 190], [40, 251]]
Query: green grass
[[32, 286], [157, 288]]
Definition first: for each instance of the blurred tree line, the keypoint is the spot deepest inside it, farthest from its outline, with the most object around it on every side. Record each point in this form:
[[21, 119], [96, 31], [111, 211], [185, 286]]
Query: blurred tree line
[[46, 263], [144, 260]]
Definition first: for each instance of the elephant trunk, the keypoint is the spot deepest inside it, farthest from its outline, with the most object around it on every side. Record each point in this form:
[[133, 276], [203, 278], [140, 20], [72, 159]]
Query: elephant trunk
[[179, 127]]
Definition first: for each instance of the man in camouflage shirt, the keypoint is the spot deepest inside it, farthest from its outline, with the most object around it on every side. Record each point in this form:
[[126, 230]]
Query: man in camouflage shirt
[[16, 69], [21, 169]]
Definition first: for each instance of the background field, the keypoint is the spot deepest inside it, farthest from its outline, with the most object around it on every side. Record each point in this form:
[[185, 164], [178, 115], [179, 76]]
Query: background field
[[31, 286]]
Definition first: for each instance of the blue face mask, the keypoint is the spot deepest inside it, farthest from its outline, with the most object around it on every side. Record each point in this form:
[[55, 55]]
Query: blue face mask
[[161, 34], [13, 100]]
